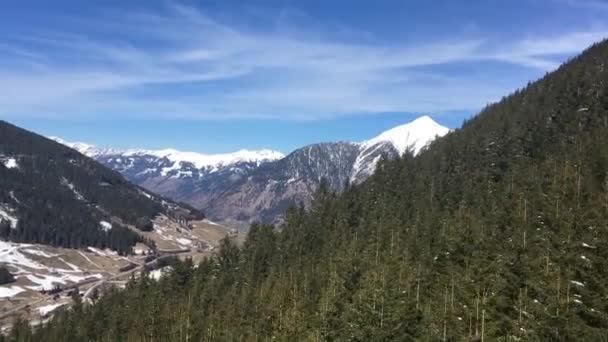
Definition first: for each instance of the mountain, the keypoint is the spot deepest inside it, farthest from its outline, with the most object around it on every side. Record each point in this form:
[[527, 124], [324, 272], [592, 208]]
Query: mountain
[[260, 185], [267, 191], [497, 231], [413, 137], [52, 194]]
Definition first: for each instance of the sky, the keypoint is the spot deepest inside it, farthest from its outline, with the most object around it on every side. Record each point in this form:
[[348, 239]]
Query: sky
[[218, 76]]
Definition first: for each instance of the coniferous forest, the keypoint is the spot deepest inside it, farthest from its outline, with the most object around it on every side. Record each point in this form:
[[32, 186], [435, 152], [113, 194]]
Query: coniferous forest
[[497, 232]]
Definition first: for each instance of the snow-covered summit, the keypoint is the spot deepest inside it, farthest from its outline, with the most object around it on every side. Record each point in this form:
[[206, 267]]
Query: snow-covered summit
[[200, 160], [84, 148], [414, 135]]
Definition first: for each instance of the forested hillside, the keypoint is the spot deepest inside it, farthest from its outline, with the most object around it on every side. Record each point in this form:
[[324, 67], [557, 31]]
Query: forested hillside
[[498, 231], [54, 195]]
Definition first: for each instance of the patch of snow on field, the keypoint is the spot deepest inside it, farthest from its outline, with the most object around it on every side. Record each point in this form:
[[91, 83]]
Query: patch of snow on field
[[105, 226], [105, 252], [88, 259], [45, 310], [10, 291], [141, 250], [72, 266], [183, 241], [157, 274], [39, 253], [48, 282], [10, 254], [211, 222]]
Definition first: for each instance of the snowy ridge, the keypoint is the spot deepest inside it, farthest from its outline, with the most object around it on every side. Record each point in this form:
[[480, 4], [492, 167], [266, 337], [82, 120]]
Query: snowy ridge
[[199, 160], [84, 148], [203, 161]]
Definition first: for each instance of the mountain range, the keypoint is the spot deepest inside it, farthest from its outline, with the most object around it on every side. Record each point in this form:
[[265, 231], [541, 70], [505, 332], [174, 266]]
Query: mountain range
[[248, 186]]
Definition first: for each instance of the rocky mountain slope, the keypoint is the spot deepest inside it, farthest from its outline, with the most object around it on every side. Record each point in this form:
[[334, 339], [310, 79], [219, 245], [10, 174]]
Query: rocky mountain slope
[[260, 185]]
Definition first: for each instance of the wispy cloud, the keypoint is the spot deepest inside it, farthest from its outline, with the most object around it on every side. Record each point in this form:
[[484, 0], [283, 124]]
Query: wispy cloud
[[182, 62]]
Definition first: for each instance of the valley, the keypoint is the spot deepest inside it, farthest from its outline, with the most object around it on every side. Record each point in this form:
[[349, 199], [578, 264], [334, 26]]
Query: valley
[[46, 277]]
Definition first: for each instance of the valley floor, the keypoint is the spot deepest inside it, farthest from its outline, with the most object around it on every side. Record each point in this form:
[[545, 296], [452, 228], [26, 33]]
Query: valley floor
[[47, 276]]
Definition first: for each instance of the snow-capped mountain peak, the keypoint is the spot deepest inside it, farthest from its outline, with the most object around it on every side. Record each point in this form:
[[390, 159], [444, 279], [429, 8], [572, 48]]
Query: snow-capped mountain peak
[[84, 148], [414, 135], [209, 162]]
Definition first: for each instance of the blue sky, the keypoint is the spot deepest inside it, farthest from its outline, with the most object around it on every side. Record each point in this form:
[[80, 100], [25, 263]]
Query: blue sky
[[216, 76]]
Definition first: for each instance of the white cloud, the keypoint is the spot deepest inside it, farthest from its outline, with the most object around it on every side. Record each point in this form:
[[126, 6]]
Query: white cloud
[[183, 63]]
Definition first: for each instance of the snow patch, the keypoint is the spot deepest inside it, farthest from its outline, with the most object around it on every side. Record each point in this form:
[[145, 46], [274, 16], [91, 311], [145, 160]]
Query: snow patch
[[105, 252], [49, 282], [10, 254], [211, 222], [10, 291], [183, 241], [141, 250], [72, 266], [577, 283], [105, 226], [45, 310], [71, 186], [146, 194], [10, 163], [39, 253], [157, 274], [7, 214], [13, 197]]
